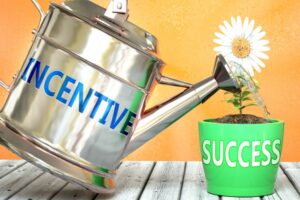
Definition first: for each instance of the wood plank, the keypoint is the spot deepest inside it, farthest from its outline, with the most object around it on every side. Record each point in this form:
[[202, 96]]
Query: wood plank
[[292, 170], [130, 180], [284, 187], [7, 166], [242, 198], [294, 165], [18, 179], [165, 181], [44, 187], [74, 192], [274, 196], [194, 184]]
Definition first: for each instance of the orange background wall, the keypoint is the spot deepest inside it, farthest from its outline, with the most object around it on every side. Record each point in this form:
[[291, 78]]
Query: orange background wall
[[185, 30]]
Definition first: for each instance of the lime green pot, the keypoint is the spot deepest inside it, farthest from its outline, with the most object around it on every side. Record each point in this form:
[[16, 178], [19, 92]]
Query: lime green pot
[[241, 159]]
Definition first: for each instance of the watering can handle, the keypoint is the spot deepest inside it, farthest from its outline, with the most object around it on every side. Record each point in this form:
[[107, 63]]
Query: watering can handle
[[42, 16], [38, 7]]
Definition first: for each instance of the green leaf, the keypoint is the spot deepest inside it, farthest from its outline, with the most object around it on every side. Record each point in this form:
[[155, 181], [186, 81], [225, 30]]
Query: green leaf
[[246, 99], [245, 93], [237, 97], [251, 104], [236, 104]]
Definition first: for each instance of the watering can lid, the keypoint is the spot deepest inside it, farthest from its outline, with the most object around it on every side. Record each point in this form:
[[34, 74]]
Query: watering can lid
[[125, 31]]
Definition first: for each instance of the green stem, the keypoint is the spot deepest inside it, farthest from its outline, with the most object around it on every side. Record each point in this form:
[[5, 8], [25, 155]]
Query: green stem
[[241, 103]]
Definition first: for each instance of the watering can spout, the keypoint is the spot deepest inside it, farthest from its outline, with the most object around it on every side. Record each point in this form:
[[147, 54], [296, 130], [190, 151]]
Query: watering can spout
[[160, 117]]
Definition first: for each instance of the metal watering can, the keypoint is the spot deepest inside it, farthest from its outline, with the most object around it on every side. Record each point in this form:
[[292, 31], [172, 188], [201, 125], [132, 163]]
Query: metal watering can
[[77, 105]]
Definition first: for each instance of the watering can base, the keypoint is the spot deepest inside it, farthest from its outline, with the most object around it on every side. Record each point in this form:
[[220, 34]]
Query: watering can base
[[53, 164]]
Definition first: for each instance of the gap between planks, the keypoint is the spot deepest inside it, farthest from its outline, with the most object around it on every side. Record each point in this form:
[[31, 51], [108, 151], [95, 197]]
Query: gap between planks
[[7, 166]]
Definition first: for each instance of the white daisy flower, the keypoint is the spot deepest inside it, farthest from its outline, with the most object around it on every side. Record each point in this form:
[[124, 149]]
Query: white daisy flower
[[242, 43]]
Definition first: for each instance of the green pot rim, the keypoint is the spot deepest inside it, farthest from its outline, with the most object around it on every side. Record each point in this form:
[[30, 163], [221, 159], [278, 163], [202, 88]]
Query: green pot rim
[[270, 121]]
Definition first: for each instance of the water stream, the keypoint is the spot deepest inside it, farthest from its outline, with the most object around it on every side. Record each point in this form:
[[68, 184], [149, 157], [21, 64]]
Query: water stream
[[248, 81]]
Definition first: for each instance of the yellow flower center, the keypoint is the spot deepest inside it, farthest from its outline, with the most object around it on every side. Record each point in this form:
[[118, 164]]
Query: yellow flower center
[[240, 47]]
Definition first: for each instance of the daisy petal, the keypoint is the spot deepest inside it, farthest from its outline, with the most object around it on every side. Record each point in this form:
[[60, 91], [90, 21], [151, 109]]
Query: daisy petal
[[222, 50], [257, 30], [249, 28], [254, 33], [256, 45], [222, 42], [257, 60], [229, 30], [233, 22], [239, 26], [221, 36], [247, 66], [245, 25], [235, 27], [258, 36], [230, 57], [255, 65], [262, 42], [260, 55], [225, 31], [260, 48]]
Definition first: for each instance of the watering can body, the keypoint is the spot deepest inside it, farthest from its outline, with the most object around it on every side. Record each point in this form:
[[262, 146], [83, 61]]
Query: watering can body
[[77, 105]]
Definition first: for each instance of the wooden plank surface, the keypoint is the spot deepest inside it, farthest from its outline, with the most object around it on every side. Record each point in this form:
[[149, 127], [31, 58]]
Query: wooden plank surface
[[274, 196], [42, 188], [292, 170], [7, 166], [74, 192], [284, 187], [135, 180], [131, 179], [17, 180], [165, 181], [194, 184]]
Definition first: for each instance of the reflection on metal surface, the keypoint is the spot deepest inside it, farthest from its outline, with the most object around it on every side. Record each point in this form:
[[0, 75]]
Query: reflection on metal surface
[[171, 81], [87, 11], [49, 162], [76, 107]]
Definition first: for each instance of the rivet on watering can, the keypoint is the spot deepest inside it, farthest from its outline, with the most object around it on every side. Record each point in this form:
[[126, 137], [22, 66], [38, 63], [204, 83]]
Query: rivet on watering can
[[34, 31], [119, 5]]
